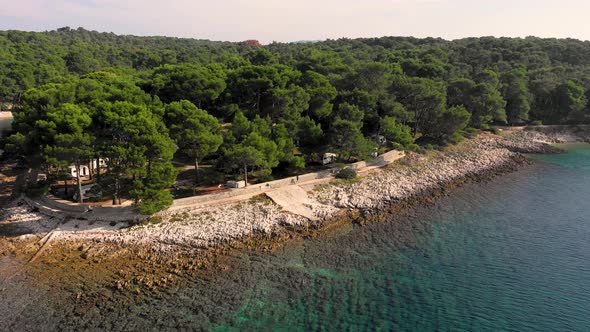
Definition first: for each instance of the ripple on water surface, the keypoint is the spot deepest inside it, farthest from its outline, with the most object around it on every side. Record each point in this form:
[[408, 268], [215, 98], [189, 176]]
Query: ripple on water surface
[[508, 255]]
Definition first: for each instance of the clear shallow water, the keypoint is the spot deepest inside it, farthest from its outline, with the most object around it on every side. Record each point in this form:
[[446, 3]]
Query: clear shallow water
[[509, 255]]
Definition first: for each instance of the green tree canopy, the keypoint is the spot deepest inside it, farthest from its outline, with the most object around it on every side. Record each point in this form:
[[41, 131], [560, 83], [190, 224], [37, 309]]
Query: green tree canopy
[[201, 85], [194, 130]]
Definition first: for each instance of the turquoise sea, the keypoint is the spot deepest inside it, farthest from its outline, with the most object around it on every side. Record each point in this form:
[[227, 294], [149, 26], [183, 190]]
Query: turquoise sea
[[509, 255], [512, 254]]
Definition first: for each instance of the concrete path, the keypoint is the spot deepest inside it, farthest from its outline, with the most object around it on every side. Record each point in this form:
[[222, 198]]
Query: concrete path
[[54, 208], [284, 187], [293, 199]]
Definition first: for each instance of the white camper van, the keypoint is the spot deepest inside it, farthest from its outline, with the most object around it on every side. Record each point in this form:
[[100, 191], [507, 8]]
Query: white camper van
[[84, 171]]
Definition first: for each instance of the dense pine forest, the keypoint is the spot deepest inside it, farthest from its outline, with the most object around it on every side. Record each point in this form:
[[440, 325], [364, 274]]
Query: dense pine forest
[[144, 102]]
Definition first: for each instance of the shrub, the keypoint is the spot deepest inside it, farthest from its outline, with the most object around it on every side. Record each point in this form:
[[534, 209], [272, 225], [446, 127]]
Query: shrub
[[398, 146], [346, 174], [421, 150], [413, 147], [537, 123], [153, 201], [471, 132], [456, 138]]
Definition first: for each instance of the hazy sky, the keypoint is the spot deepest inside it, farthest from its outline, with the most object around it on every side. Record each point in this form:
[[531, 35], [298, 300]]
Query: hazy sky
[[274, 20]]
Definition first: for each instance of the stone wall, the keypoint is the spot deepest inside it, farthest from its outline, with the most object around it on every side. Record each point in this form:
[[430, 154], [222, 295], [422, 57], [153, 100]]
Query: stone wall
[[380, 160], [250, 189], [58, 204]]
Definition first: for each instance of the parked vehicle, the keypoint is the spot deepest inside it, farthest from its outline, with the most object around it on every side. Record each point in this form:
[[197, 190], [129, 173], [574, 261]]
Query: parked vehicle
[[329, 158], [89, 191]]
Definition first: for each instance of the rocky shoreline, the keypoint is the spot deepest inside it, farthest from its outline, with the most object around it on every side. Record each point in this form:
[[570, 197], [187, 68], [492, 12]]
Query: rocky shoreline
[[189, 240]]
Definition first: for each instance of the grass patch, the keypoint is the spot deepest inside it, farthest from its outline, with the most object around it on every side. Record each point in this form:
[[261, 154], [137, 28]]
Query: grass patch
[[321, 187], [262, 198], [343, 182], [346, 173], [153, 220]]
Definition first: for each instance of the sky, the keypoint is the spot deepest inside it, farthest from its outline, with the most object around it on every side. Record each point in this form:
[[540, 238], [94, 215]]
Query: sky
[[285, 21]]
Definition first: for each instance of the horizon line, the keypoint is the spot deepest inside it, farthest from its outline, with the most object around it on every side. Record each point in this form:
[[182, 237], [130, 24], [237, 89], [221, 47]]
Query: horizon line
[[298, 41]]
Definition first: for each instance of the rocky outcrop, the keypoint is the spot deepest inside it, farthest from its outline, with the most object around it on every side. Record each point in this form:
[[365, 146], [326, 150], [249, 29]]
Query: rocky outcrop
[[561, 133], [418, 175]]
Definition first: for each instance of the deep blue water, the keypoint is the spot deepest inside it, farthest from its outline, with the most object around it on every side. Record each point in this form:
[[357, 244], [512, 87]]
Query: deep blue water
[[509, 255]]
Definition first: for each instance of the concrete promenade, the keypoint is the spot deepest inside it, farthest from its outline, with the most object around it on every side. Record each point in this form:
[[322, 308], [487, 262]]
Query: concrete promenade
[[55, 207]]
